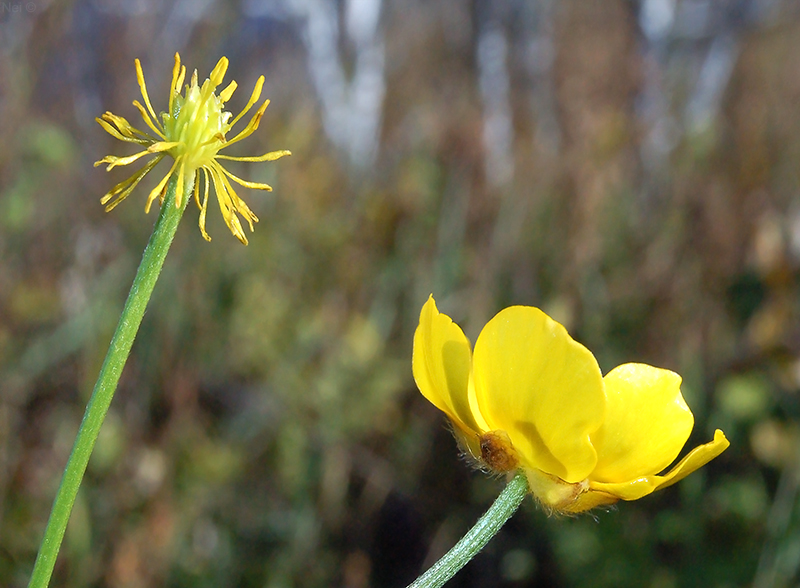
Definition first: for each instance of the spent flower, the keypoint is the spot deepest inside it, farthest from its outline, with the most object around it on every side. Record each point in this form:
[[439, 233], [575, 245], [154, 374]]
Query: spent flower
[[193, 132], [531, 398]]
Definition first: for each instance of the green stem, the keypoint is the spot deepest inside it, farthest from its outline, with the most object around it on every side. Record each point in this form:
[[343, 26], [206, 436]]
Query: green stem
[[117, 355], [477, 537]]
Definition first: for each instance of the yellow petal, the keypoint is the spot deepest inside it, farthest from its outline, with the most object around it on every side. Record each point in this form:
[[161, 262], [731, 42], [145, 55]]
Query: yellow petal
[[441, 365], [647, 423], [697, 458], [543, 388], [637, 488]]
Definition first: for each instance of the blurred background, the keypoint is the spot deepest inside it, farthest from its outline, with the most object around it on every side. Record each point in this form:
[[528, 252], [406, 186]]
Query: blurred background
[[630, 167]]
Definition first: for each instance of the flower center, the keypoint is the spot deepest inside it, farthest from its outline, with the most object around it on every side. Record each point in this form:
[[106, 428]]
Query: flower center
[[198, 123]]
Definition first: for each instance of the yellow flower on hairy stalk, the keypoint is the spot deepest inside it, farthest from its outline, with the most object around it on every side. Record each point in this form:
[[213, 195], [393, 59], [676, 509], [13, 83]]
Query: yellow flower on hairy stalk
[[530, 397], [192, 132]]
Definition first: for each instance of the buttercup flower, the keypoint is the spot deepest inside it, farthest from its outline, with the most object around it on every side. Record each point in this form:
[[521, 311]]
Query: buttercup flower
[[192, 132], [530, 397]]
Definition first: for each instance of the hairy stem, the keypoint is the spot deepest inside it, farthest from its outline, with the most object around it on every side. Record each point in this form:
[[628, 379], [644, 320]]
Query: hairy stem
[[477, 537]]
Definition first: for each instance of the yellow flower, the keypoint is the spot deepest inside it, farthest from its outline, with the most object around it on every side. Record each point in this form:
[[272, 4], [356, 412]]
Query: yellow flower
[[530, 397], [192, 132]]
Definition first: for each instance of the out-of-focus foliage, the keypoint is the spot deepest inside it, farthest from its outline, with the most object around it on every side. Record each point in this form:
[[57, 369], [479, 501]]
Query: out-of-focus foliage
[[631, 167]]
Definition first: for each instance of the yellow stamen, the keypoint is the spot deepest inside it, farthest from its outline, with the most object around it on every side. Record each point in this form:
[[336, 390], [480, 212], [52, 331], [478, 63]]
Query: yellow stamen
[[252, 125], [156, 192], [204, 206], [123, 189], [143, 87], [226, 94], [253, 99], [163, 146], [180, 183], [226, 206], [146, 118], [271, 156], [117, 135], [245, 183], [125, 127], [177, 80], [218, 73], [114, 161]]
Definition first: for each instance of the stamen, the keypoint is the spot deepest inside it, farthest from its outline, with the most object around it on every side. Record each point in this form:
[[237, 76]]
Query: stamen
[[154, 193], [123, 189], [113, 161], [117, 135], [238, 204], [179, 185], [253, 99], [226, 206], [147, 120], [143, 88], [226, 94], [245, 183], [204, 206], [175, 88], [124, 126], [271, 156], [252, 125], [218, 73]]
